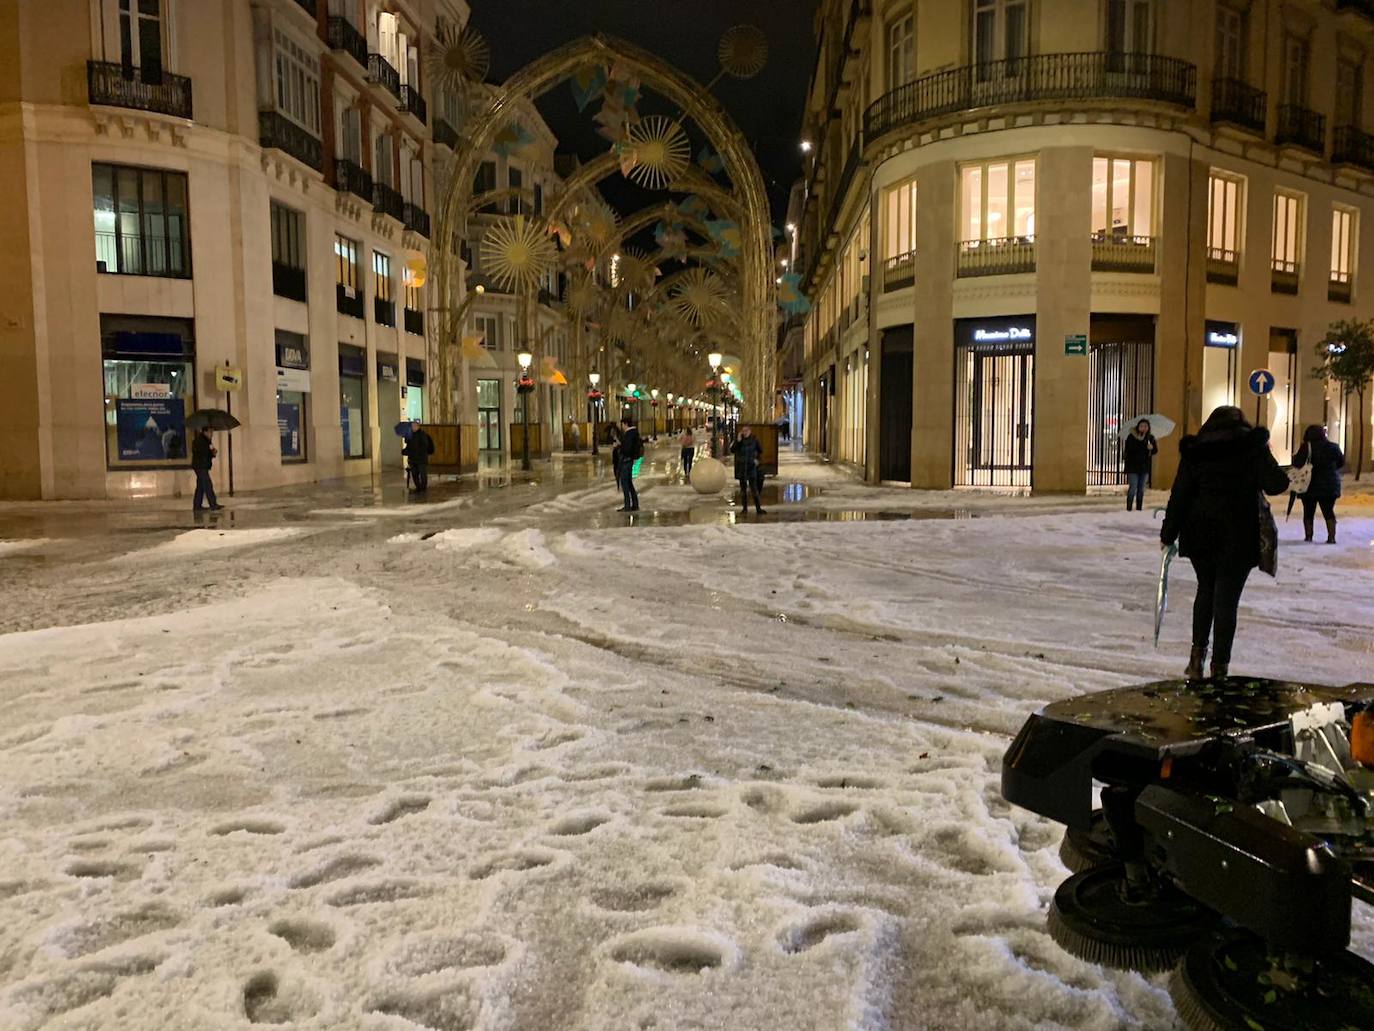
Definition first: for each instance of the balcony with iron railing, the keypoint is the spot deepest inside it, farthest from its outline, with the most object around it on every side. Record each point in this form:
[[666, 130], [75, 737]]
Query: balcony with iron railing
[[288, 281], [383, 312], [380, 71], [1039, 78], [387, 200], [899, 272], [1339, 288], [278, 132], [348, 300], [1240, 104], [445, 134], [415, 218], [1283, 276], [341, 34], [1116, 252], [414, 103], [1351, 146], [996, 257], [349, 178], [119, 85], [1223, 266], [1299, 127], [414, 321]]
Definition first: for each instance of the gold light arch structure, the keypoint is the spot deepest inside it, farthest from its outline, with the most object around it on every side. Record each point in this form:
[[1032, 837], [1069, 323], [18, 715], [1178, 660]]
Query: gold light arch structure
[[748, 194]]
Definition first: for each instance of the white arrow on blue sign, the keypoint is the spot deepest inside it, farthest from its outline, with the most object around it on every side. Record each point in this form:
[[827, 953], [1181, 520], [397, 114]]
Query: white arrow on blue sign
[[1261, 382]]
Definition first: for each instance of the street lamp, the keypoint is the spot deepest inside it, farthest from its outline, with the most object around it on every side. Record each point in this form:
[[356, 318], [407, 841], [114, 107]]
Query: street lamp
[[524, 388], [593, 404], [714, 359], [629, 399], [653, 407]]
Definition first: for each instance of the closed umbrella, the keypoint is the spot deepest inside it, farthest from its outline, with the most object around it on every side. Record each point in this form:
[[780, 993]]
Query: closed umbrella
[[1166, 559], [216, 419], [1160, 425]]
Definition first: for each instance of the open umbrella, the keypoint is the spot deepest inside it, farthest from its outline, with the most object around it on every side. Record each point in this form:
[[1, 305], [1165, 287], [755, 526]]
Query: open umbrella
[[1166, 559], [1160, 425], [212, 419], [402, 429]]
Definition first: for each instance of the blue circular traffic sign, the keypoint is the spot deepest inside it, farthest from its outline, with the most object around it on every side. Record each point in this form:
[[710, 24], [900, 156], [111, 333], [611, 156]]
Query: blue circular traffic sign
[[1261, 382]]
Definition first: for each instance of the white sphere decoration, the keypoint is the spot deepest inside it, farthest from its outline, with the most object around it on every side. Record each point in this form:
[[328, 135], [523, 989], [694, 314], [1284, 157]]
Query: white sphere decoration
[[708, 476]]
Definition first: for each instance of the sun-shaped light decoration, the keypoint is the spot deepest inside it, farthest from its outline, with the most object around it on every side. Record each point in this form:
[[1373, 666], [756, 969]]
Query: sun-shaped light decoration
[[599, 223], [700, 297], [657, 151], [622, 325], [743, 51], [458, 58], [517, 253], [583, 297], [634, 271]]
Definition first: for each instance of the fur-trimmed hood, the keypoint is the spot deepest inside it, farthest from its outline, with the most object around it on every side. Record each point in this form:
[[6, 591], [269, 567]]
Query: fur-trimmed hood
[[1223, 443]]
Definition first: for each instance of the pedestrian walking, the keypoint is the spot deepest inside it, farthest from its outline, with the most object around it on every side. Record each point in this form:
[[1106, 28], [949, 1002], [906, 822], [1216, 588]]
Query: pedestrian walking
[[613, 433], [1137, 454], [1219, 516], [418, 449], [688, 442], [747, 451], [1326, 460], [631, 451], [202, 459]]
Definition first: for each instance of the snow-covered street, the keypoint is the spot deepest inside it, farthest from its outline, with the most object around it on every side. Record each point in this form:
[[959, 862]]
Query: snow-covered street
[[506, 762]]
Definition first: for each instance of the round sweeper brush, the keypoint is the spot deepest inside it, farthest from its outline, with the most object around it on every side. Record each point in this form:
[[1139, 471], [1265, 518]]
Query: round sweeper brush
[[1098, 917], [1229, 981], [1082, 850]]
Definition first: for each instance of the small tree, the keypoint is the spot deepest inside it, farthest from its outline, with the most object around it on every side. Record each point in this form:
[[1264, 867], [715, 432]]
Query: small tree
[[1346, 354]]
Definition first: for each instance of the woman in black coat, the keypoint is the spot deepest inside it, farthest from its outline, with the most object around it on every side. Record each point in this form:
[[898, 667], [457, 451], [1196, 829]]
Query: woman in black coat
[[1215, 514], [1325, 488], [1137, 453]]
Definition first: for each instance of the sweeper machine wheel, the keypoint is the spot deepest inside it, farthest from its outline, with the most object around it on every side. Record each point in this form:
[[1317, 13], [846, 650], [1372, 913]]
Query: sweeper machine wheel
[[1082, 850], [1229, 981], [1098, 917]]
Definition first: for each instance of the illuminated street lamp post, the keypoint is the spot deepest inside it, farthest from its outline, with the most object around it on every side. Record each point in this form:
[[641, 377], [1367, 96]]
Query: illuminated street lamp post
[[728, 397], [629, 405], [524, 388], [668, 418], [594, 397], [653, 407], [714, 359]]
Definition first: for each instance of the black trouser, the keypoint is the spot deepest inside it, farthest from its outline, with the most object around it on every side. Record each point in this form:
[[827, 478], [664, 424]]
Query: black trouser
[[747, 482], [1219, 589], [205, 490], [1309, 509], [420, 474], [627, 484], [688, 453]]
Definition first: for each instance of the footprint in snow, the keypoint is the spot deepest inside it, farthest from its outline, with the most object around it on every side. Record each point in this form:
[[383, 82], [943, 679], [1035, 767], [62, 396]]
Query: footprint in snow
[[334, 870], [421, 956], [98, 868], [696, 811], [248, 826], [303, 935], [102, 933], [47, 998], [406, 805], [576, 824], [519, 861], [691, 782], [807, 935], [671, 950], [378, 891], [639, 899], [825, 812], [264, 1001], [452, 1009]]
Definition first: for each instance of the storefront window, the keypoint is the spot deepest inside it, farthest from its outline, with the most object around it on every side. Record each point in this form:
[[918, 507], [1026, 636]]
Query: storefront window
[[149, 373], [291, 425], [998, 201], [353, 401], [293, 389], [415, 389], [1219, 365], [489, 414]]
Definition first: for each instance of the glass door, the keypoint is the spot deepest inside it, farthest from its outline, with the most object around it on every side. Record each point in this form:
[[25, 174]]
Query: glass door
[[489, 414]]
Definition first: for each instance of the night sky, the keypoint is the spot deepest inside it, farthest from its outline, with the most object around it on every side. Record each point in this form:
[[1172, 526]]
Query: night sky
[[767, 108]]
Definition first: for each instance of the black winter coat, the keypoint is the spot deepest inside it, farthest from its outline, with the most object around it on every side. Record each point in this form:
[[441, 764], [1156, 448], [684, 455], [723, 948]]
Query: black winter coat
[[419, 448], [1213, 509], [631, 445], [747, 451], [202, 453], [1138, 452], [1326, 461]]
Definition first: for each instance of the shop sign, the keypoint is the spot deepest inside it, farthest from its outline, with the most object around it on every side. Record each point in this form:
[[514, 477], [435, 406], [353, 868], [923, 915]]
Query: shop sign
[[292, 357], [293, 379], [993, 336], [144, 391], [1075, 343], [150, 429], [386, 372], [1216, 339], [228, 377]]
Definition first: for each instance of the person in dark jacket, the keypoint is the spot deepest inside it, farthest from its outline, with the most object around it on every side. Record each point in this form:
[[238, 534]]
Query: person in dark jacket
[[1137, 454], [747, 451], [631, 451], [417, 450], [1325, 488], [613, 438], [1214, 514], [202, 458]]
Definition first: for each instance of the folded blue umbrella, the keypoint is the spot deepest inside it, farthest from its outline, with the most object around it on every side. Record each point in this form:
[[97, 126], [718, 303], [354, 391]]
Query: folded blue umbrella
[[402, 429]]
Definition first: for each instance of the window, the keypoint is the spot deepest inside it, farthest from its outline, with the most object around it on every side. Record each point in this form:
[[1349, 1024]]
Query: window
[[998, 200], [383, 299], [415, 292], [999, 33], [1223, 217], [297, 82], [1349, 93], [1232, 30], [1130, 26], [140, 37], [351, 135], [517, 182], [1123, 198], [1294, 70], [488, 327], [489, 414], [899, 220], [141, 223], [1343, 223], [346, 251], [901, 51], [353, 420], [383, 161], [1287, 232], [149, 371], [293, 390], [288, 252], [538, 198]]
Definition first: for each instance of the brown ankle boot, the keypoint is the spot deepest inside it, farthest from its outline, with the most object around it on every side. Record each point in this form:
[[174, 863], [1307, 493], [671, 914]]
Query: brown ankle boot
[[1219, 670], [1195, 660], [1331, 531]]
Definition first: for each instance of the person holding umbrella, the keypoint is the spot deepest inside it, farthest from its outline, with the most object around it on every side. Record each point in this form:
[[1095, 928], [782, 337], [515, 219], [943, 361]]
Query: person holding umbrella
[[202, 458], [1324, 484], [419, 446], [1137, 452]]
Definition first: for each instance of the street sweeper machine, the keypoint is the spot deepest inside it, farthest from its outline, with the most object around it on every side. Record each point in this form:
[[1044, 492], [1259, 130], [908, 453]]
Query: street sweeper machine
[[1221, 829]]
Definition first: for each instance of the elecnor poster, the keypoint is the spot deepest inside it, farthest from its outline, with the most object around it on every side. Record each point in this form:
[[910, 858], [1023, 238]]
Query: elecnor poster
[[151, 429], [289, 425]]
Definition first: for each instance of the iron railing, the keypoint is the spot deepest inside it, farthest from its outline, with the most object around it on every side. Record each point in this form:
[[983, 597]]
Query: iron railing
[[143, 254], [379, 70], [412, 101], [383, 312], [288, 281], [388, 200], [899, 272], [1239, 103], [1120, 387], [120, 85], [348, 305], [414, 321], [1223, 266], [341, 34], [996, 257], [1351, 146], [416, 219], [445, 134], [348, 177], [1043, 77], [277, 131], [1339, 288], [1301, 128], [1283, 276], [1113, 253]]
